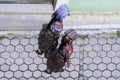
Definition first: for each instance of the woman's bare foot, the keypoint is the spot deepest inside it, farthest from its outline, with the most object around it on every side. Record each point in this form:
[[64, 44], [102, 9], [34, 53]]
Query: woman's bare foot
[[48, 71], [39, 52]]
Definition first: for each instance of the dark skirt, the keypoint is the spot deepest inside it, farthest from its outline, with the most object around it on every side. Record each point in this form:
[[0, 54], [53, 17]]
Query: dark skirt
[[56, 62]]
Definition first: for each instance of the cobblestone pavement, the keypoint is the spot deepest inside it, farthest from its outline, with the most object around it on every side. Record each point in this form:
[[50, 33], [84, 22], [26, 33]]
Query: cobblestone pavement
[[95, 57]]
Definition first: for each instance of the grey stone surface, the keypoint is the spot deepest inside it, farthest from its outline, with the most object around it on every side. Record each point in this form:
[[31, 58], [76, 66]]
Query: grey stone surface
[[10, 48], [26, 1], [9, 74], [89, 61], [15, 42]]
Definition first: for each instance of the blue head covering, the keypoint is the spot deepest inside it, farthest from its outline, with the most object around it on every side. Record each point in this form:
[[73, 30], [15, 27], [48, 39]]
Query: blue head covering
[[61, 12]]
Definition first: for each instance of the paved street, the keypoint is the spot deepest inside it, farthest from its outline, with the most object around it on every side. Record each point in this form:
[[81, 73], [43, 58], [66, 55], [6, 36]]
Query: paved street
[[95, 57], [26, 1]]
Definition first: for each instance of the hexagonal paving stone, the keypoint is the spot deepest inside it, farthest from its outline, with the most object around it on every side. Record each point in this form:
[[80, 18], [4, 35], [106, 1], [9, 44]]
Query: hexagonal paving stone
[[111, 78], [71, 68], [14, 67], [28, 60], [50, 78], [22, 78], [55, 75], [19, 48], [6, 41], [115, 47], [45, 75], [72, 79], [111, 66], [102, 78], [92, 66], [87, 73], [106, 60], [37, 60], [44, 60], [111, 41], [33, 54], [2, 48], [85, 54], [12, 79], [9, 74], [92, 41], [102, 41], [29, 48], [27, 74], [24, 41], [111, 54], [24, 55], [97, 73], [2, 61], [116, 60], [14, 55], [37, 74], [75, 55], [79, 41], [33, 67], [15, 42], [88, 47], [9, 61], [102, 66], [106, 47], [87, 60], [19, 61], [75, 61], [65, 74], [10, 48], [18, 74], [74, 74], [92, 78], [118, 66], [31, 79], [41, 78], [97, 47], [36, 47], [77, 68], [33, 41], [42, 67], [102, 54], [118, 54], [5, 55], [85, 66], [86, 41], [4, 67], [4, 79], [116, 73], [106, 73], [76, 48], [97, 60], [92, 54], [1, 74], [23, 67]]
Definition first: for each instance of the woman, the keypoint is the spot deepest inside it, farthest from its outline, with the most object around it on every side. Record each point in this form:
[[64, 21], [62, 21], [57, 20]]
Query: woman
[[49, 39], [56, 62]]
